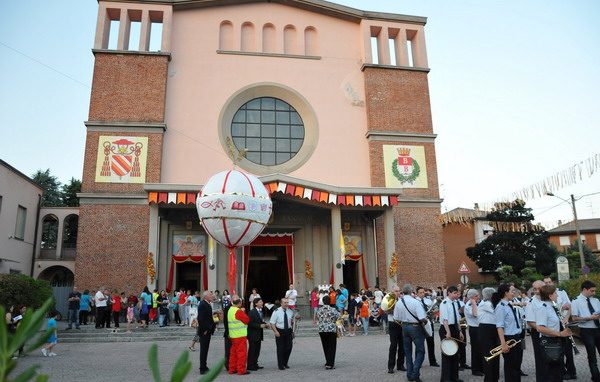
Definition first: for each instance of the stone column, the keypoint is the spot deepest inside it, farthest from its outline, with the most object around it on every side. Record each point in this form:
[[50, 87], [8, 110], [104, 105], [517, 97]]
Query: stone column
[[145, 32], [401, 48], [59, 237], [336, 231], [390, 244], [124, 26], [383, 46], [153, 242]]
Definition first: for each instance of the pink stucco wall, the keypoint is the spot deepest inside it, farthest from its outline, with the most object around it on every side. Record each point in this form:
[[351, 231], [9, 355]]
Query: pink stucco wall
[[201, 80]]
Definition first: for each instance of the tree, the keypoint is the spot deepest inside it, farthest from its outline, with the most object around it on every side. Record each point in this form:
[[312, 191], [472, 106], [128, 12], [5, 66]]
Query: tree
[[51, 186], [69, 193], [515, 241], [572, 254]]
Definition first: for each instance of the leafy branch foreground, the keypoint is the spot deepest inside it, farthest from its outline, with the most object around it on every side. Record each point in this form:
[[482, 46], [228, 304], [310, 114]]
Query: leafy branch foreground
[[28, 330]]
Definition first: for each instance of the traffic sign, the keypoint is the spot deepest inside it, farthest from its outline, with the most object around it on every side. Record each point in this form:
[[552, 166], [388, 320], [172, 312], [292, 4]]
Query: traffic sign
[[463, 268], [464, 279]]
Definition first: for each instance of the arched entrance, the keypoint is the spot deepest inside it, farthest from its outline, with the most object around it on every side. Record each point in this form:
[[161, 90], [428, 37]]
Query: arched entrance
[[62, 280]]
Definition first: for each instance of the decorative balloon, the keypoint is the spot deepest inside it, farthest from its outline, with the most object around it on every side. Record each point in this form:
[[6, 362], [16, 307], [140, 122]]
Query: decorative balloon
[[234, 208]]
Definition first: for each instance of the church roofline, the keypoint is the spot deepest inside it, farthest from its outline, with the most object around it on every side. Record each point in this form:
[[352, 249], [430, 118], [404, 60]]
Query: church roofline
[[318, 6]]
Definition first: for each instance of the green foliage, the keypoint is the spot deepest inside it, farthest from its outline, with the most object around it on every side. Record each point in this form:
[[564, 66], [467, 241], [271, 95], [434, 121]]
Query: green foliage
[[10, 343], [23, 290], [514, 248], [181, 369], [572, 254], [506, 275], [51, 186], [69, 193], [529, 274], [56, 195], [573, 286]]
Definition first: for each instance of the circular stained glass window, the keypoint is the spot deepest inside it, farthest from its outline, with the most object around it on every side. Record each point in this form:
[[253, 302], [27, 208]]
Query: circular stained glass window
[[269, 129]]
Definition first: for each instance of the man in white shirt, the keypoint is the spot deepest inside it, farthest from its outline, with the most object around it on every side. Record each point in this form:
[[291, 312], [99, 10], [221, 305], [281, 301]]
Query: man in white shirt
[[449, 319], [530, 310], [410, 312], [586, 310], [378, 294], [101, 309], [291, 295], [281, 324]]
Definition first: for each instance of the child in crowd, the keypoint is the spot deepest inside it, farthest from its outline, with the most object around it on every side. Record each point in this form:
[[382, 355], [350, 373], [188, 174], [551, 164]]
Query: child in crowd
[[48, 348], [130, 317]]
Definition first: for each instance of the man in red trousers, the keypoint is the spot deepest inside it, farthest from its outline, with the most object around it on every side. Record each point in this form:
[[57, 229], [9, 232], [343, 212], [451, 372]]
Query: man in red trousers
[[238, 320]]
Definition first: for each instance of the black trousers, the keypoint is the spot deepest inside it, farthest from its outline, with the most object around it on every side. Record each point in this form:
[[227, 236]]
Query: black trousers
[[284, 346], [396, 346], [101, 312], [176, 314], [476, 354], [204, 345], [591, 340], [553, 370], [83, 317], [462, 349], [329, 342], [488, 339], [253, 353], [569, 367], [227, 343], [512, 360], [431, 348], [540, 371], [116, 317], [449, 363]]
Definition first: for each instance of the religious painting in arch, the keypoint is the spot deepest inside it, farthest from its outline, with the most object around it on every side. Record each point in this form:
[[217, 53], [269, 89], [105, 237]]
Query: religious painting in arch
[[354, 263], [188, 261]]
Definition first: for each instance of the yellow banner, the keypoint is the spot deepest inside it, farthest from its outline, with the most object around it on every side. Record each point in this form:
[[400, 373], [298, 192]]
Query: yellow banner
[[405, 166], [121, 159]]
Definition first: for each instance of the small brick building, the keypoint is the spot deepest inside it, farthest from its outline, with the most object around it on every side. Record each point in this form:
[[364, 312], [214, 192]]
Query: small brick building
[[331, 107]]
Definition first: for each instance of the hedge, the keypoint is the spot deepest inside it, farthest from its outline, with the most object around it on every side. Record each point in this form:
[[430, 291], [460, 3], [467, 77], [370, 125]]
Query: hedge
[[20, 290], [573, 286]]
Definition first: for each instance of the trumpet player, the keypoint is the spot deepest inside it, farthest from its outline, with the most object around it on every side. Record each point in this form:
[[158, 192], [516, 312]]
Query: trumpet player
[[449, 319], [488, 334], [509, 328], [586, 310], [548, 323], [471, 313]]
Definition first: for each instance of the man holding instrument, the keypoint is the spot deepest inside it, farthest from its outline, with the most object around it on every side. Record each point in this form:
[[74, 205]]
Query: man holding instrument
[[450, 330], [586, 310], [427, 305]]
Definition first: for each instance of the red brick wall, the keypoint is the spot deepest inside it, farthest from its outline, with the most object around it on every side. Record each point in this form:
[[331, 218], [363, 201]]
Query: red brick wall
[[419, 246], [153, 164], [397, 100], [590, 240], [112, 247], [129, 87], [457, 238]]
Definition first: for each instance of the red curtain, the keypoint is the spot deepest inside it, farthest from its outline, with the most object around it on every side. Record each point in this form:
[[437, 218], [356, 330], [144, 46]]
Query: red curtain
[[183, 259], [360, 257], [272, 241]]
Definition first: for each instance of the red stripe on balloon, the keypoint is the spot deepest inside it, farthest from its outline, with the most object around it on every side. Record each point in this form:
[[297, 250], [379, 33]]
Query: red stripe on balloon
[[249, 182], [243, 234], [226, 233], [225, 182]]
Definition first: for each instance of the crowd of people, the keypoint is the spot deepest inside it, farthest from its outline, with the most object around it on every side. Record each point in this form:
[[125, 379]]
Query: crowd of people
[[492, 321]]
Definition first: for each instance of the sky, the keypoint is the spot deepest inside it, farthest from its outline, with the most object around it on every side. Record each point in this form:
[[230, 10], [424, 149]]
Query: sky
[[514, 89]]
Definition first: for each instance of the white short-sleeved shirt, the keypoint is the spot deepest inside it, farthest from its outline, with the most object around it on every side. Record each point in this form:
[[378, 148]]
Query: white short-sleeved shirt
[[378, 296], [532, 307], [546, 316], [505, 319], [97, 297], [580, 308], [469, 316], [563, 298], [485, 313], [415, 306], [291, 295], [277, 318], [448, 313]]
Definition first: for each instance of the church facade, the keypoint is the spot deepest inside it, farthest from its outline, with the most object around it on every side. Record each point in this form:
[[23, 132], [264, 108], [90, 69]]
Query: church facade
[[328, 105]]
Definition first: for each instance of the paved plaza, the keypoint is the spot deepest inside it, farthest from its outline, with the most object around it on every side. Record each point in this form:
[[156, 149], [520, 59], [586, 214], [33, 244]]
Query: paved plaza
[[361, 358]]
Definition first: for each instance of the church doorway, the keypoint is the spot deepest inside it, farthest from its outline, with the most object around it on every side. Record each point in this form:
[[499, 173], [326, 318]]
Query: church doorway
[[189, 276], [351, 276], [267, 272]]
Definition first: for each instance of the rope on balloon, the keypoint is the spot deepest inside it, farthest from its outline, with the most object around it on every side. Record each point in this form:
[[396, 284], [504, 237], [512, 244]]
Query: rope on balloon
[[561, 179]]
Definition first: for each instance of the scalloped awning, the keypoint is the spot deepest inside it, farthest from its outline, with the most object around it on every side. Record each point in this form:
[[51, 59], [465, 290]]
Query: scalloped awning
[[325, 194]]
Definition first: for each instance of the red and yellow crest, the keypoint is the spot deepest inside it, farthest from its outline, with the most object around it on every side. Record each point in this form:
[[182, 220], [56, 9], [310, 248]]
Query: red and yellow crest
[[121, 159]]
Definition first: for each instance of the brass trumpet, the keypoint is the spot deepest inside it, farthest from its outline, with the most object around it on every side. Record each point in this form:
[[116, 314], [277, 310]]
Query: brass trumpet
[[495, 352]]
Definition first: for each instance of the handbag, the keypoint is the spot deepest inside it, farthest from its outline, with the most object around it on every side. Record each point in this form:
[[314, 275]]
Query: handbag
[[552, 349]]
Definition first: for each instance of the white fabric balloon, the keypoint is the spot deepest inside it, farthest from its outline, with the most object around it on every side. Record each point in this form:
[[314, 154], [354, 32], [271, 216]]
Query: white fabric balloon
[[234, 207]]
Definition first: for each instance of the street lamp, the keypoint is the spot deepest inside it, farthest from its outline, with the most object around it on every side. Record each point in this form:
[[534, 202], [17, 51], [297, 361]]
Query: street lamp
[[572, 203]]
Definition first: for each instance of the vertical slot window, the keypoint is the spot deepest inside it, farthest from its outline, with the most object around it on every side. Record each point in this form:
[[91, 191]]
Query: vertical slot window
[[113, 36], [156, 31], [374, 50]]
